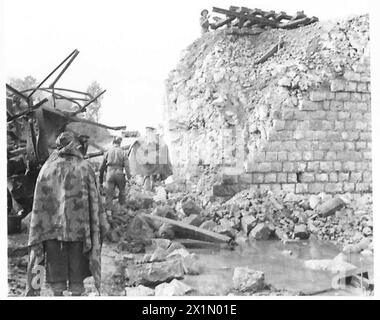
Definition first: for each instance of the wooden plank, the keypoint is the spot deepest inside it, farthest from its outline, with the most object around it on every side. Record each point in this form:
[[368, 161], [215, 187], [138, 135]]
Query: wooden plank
[[189, 231], [295, 23], [226, 20], [270, 14], [358, 278], [282, 15], [222, 23], [270, 52], [198, 244], [251, 17]]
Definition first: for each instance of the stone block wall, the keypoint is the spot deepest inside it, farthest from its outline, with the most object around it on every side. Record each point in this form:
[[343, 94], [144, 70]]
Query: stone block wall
[[323, 145]]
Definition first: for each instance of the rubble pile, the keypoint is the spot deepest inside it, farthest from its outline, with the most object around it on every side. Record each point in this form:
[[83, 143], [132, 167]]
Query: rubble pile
[[267, 215], [250, 215], [160, 270]]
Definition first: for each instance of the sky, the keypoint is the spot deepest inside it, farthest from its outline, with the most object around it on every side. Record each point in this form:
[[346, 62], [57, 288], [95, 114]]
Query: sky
[[129, 47]]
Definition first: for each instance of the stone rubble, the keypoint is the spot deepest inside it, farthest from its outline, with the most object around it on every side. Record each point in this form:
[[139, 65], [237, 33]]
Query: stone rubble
[[246, 279], [252, 215], [174, 288]]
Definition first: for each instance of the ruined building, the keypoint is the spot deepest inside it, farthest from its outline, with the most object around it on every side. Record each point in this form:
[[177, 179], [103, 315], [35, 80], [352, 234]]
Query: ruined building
[[298, 120]]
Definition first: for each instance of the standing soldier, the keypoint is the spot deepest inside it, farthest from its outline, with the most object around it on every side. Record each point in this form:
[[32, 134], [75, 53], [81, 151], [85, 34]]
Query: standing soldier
[[68, 222], [115, 161], [204, 21]]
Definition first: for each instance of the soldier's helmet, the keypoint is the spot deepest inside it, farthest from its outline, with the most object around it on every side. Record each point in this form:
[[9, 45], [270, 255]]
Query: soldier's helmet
[[204, 12], [64, 139], [117, 140]]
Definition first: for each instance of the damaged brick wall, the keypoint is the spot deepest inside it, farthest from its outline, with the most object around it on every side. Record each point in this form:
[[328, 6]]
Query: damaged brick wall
[[324, 146], [299, 122]]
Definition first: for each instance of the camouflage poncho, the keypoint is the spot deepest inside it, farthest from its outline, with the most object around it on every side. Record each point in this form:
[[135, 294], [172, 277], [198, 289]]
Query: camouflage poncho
[[67, 207]]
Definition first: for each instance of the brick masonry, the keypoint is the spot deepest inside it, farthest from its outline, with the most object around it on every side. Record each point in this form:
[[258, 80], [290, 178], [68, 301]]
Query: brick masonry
[[324, 145]]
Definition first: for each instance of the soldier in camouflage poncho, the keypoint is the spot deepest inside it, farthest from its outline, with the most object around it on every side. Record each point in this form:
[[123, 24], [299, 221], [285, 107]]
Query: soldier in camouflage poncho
[[67, 223]]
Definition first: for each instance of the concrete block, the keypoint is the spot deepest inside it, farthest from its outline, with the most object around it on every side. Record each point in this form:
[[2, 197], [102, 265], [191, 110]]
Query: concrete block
[[257, 178], [337, 165], [282, 177], [271, 156], [342, 96], [326, 104], [361, 145], [300, 166], [363, 87], [278, 125], [321, 177], [225, 190], [270, 178], [319, 95], [326, 166], [288, 166], [318, 155], [264, 167], [367, 176], [307, 177], [245, 178], [348, 187], [356, 97], [288, 187], [276, 166], [330, 155], [349, 145], [337, 85], [350, 86], [336, 105], [315, 187], [348, 166], [292, 178], [356, 177], [307, 155], [343, 115], [352, 76], [229, 179], [306, 105], [295, 156], [333, 177], [301, 188], [313, 166], [343, 176], [334, 187], [363, 187], [282, 155]]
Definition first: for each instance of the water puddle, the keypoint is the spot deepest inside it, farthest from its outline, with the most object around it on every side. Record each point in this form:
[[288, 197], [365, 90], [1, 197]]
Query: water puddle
[[282, 269]]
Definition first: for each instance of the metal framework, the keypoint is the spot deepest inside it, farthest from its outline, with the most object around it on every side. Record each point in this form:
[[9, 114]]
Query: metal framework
[[78, 98]]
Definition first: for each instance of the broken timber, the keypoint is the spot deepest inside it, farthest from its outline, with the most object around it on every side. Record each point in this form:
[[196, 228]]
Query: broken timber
[[244, 18], [189, 231], [358, 277], [270, 52]]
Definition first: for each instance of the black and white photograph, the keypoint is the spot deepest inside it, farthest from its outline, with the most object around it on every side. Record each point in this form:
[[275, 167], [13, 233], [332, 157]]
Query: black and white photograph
[[180, 149]]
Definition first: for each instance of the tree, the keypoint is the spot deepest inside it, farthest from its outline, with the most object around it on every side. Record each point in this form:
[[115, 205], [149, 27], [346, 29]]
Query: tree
[[22, 84], [29, 82], [93, 110]]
